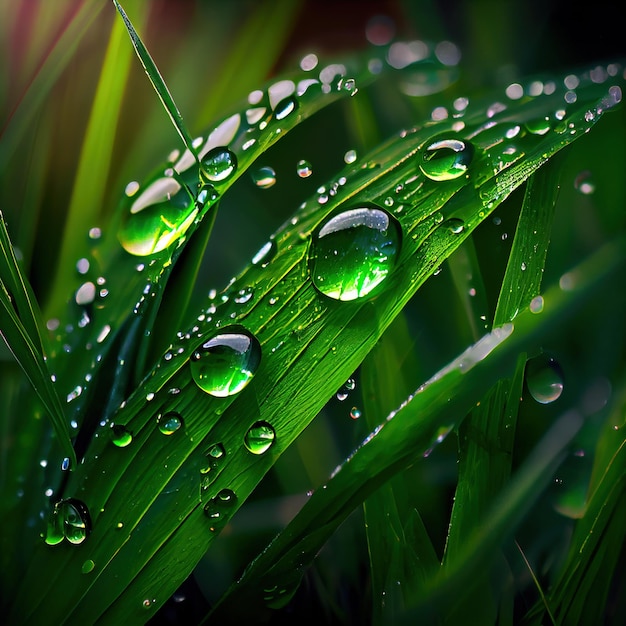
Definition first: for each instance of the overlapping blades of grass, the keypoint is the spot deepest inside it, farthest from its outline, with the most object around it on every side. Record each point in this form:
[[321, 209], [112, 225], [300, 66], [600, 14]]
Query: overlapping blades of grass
[[149, 501]]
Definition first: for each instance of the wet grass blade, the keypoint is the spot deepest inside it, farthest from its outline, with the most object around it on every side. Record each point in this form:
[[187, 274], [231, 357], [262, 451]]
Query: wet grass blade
[[417, 426], [22, 329], [157, 81], [155, 507], [486, 438]]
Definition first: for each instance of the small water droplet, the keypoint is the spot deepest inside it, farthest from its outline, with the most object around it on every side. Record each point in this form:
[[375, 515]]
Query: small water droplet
[[88, 566], [264, 177], [70, 520], [353, 252], [285, 107], [259, 438], [120, 436], [215, 455], [225, 364], [454, 225], [85, 294], [218, 508], [446, 158], [350, 156], [303, 169], [536, 304], [544, 379], [265, 254], [584, 183], [169, 422], [355, 413], [218, 164]]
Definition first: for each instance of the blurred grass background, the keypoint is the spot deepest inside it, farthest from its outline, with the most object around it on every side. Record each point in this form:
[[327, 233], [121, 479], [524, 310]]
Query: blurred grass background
[[212, 54]]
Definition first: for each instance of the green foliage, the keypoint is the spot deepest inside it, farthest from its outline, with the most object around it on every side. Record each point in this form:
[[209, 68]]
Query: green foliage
[[461, 271]]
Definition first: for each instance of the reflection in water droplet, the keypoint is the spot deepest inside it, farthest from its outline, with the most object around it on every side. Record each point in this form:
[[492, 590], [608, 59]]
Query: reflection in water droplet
[[169, 422], [264, 177], [70, 520], [353, 252], [259, 438], [218, 164], [446, 158], [158, 216], [304, 169], [544, 379], [584, 183], [218, 508], [225, 364], [120, 436]]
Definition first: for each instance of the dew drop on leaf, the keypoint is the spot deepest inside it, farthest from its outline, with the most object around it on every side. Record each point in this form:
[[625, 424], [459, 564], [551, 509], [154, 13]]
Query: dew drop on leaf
[[88, 566], [158, 216], [217, 508], [264, 177], [120, 436], [75, 518], [259, 438], [225, 364], [353, 252], [168, 423], [544, 379], [218, 164], [304, 169], [446, 158]]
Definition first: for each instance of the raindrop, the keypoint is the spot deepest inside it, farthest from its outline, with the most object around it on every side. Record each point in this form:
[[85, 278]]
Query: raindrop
[[169, 422], [85, 294], [158, 216], [217, 508], [88, 566], [350, 156], [285, 107], [218, 164], [536, 304], [264, 177], [265, 254], [225, 364], [355, 413], [454, 225], [70, 520], [353, 252], [120, 436], [304, 169], [214, 457], [544, 379], [446, 158], [259, 438], [584, 183]]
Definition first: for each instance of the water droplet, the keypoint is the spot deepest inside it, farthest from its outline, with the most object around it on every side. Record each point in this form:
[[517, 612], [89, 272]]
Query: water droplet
[[214, 457], [218, 164], [264, 177], [454, 225], [259, 438], [120, 436], [285, 107], [225, 364], [85, 294], [169, 422], [350, 156], [88, 566], [584, 183], [536, 304], [217, 508], [265, 254], [355, 413], [157, 217], [70, 520], [539, 126], [304, 169], [353, 252], [446, 158], [544, 379]]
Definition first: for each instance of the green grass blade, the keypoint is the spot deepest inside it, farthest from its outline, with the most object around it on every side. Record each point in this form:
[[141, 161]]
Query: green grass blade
[[21, 328], [157, 81], [487, 437], [48, 73], [415, 428], [311, 344], [92, 174]]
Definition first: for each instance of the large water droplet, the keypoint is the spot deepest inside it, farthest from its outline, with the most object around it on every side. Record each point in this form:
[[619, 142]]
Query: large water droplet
[[353, 252], [259, 438], [446, 158], [544, 379], [218, 164], [169, 422], [158, 217], [225, 364]]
